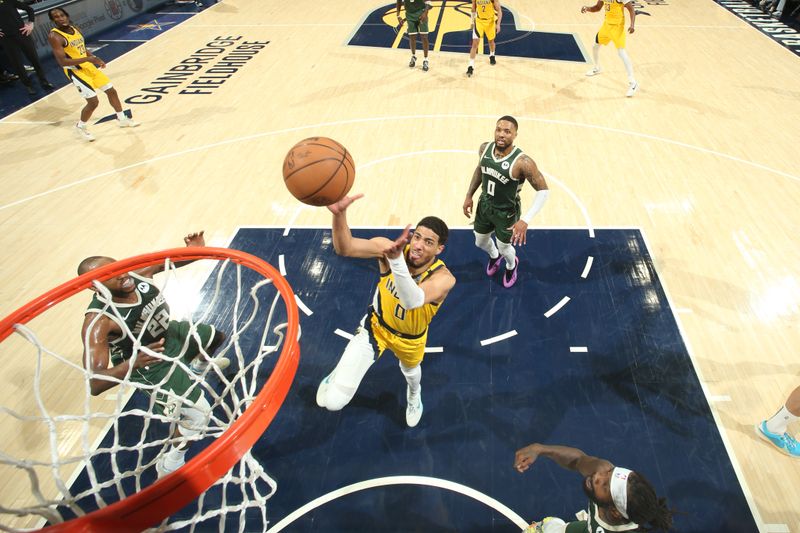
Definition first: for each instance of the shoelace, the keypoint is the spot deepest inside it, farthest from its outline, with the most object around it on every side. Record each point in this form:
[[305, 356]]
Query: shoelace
[[788, 442]]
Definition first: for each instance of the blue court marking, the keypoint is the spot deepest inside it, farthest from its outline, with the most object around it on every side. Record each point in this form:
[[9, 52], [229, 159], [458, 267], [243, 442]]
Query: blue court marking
[[109, 45], [633, 397], [511, 41]]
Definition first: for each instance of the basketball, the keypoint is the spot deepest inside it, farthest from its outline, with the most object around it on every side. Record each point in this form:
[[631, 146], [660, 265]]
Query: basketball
[[318, 171]]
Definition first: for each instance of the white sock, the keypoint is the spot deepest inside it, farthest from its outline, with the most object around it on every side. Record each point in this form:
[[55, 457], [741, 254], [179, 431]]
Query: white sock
[[121, 115], [81, 124], [484, 242], [780, 420], [472, 62], [174, 459], [628, 65], [596, 55], [509, 253], [413, 377]]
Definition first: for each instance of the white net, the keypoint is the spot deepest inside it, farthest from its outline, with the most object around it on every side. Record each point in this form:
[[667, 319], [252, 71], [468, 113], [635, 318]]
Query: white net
[[74, 453]]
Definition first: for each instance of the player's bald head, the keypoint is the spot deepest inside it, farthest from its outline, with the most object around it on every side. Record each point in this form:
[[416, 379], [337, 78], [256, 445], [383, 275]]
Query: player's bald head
[[90, 263]]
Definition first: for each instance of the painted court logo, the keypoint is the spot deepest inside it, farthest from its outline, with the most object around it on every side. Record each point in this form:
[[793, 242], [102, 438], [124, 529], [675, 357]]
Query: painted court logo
[[450, 31]]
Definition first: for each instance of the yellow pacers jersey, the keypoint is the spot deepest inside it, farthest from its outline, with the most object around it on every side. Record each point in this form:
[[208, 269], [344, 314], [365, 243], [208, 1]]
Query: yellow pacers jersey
[[403, 331], [614, 11], [485, 10], [76, 47]]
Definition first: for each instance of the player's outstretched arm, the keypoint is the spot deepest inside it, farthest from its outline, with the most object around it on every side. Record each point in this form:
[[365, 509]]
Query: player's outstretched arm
[[593, 9], [190, 240], [343, 241], [565, 456]]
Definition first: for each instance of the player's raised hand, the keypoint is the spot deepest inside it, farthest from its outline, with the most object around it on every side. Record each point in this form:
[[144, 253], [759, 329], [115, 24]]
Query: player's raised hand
[[519, 232], [525, 457], [143, 360], [341, 206], [394, 250], [195, 239]]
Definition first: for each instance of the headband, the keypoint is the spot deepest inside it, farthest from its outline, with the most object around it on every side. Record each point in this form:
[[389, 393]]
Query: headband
[[619, 489]]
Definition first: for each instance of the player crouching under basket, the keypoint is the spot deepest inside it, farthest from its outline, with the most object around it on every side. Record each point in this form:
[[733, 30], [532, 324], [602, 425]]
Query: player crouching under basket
[[138, 316]]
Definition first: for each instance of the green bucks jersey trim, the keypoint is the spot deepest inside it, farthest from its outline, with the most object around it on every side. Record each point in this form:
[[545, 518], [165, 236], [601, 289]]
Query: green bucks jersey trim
[[596, 524], [497, 182]]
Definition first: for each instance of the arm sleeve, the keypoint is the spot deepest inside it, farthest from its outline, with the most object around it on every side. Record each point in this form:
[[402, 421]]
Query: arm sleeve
[[410, 294], [538, 203]]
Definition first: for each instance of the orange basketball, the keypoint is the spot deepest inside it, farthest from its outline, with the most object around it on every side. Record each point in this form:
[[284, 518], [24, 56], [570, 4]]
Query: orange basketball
[[318, 171]]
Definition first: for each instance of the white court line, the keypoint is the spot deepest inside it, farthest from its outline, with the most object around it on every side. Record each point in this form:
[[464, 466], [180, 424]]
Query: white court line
[[578, 349], [683, 311], [434, 349], [401, 480], [302, 306], [719, 398], [122, 40], [498, 338], [553, 310], [344, 334], [550, 177], [281, 265], [292, 220], [748, 494], [588, 267], [381, 119]]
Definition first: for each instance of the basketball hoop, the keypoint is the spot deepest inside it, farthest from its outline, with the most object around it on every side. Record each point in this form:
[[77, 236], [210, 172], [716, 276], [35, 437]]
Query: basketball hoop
[[152, 505]]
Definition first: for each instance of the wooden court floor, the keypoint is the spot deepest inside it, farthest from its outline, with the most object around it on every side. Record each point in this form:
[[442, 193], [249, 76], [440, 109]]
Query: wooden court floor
[[703, 159]]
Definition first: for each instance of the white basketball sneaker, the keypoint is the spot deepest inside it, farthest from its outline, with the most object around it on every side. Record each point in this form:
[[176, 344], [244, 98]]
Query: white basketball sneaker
[[164, 466], [594, 71], [414, 407], [127, 123], [199, 366], [83, 134], [322, 390], [632, 88]]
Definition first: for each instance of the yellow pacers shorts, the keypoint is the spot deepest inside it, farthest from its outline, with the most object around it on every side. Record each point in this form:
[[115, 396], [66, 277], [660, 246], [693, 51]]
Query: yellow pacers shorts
[[409, 351], [483, 27], [88, 79], [612, 32]]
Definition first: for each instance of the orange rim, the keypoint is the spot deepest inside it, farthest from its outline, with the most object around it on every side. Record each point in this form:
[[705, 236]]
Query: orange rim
[[170, 494]]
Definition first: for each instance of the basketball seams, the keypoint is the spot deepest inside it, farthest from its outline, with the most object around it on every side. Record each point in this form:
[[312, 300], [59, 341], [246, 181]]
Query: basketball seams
[[304, 175], [325, 183], [293, 172]]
